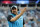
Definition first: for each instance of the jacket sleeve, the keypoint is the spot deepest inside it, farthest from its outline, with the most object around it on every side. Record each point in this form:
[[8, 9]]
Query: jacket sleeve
[[23, 22], [9, 17]]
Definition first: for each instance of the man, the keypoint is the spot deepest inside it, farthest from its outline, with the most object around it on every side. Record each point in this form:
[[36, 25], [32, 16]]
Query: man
[[14, 19]]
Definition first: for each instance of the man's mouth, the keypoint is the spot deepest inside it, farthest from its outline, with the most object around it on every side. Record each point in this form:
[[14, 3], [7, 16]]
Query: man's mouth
[[15, 12]]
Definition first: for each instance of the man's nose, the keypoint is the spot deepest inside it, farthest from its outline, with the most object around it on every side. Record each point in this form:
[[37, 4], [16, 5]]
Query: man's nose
[[14, 10]]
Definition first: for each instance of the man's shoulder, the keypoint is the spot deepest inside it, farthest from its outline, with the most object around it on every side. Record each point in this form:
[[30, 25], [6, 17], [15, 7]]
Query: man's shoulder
[[10, 16]]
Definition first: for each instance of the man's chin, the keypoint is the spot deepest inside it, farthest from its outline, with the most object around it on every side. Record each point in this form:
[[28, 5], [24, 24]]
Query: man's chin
[[14, 13]]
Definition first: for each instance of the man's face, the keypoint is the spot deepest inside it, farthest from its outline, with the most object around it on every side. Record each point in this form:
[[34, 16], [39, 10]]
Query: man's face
[[14, 11]]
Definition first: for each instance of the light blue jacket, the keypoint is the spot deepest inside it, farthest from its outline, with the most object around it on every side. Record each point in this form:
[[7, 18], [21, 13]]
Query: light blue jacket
[[17, 23]]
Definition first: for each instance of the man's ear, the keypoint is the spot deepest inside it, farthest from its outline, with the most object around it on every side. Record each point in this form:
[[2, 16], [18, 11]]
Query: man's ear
[[17, 9]]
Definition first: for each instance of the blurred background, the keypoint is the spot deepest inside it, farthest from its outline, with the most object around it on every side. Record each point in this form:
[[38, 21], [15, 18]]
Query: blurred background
[[31, 16]]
